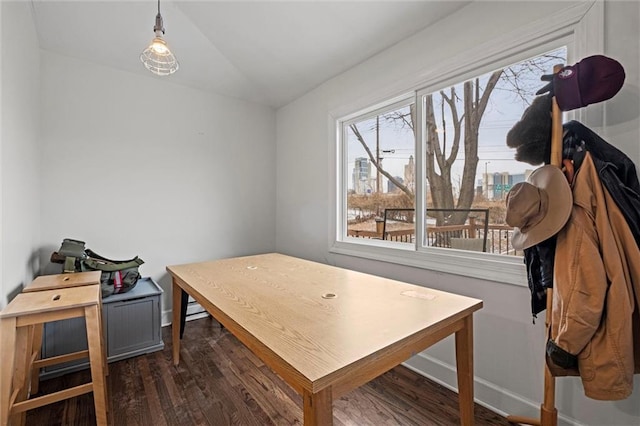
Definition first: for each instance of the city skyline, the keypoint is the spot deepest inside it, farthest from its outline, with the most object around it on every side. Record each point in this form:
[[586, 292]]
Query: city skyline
[[391, 139]]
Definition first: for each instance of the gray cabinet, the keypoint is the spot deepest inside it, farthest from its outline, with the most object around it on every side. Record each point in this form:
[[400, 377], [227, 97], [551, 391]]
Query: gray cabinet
[[131, 323]]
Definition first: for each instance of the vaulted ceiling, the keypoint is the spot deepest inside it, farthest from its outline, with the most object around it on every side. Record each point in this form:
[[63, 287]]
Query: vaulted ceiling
[[269, 52]]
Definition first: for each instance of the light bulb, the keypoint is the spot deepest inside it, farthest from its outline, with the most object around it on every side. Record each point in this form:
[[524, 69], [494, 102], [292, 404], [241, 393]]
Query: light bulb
[[159, 46]]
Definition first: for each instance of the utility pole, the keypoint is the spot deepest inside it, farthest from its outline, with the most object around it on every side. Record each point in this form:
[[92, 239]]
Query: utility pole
[[378, 159], [486, 179]]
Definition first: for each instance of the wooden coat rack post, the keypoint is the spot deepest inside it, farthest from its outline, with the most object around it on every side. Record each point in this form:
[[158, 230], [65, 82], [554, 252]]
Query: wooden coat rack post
[[548, 411]]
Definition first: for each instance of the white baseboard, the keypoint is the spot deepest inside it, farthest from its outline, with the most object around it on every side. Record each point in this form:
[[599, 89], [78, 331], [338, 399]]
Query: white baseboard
[[487, 394], [194, 312]]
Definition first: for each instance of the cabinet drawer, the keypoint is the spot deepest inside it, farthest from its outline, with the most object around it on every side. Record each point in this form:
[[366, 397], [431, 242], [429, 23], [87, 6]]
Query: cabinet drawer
[[132, 325]]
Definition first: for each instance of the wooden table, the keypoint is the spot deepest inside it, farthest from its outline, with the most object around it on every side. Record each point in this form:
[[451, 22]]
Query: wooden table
[[326, 330]]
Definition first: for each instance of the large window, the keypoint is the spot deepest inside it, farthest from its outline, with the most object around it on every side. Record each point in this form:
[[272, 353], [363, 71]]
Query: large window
[[439, 204], [430, 171]]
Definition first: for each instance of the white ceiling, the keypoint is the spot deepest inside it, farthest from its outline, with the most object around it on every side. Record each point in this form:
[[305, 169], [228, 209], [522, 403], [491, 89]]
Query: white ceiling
[[269, 52]]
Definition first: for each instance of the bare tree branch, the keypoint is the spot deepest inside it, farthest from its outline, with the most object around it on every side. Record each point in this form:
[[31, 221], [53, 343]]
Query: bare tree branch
[[465, 105], [374, 161]]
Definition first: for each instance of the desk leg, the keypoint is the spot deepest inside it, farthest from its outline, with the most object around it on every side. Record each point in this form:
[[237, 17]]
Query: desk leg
[[175, 323], [464, 364], [318, 408], [184, 302]]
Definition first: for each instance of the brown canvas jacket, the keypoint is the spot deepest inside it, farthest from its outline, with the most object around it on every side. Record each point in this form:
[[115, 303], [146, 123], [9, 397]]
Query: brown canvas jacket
[[597, 290]]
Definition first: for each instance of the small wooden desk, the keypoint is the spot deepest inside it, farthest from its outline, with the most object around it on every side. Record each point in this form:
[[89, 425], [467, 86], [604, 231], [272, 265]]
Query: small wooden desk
[[326, 330]]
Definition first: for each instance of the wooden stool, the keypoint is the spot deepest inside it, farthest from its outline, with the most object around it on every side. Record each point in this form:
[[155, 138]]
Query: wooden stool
[[54, 282], [17, 324], [57, 281]]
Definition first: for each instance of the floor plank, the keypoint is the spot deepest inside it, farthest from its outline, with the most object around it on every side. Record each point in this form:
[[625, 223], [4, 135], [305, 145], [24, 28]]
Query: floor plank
[[219, 382]]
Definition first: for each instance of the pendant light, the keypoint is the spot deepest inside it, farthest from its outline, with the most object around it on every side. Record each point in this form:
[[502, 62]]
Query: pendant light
[[158, 58]]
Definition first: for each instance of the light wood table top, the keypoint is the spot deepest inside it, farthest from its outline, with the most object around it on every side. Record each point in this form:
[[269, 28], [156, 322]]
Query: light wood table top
[[322, 328]]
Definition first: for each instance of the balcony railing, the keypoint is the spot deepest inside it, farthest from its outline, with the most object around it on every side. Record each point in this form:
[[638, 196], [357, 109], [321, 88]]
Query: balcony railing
[[476, 234]]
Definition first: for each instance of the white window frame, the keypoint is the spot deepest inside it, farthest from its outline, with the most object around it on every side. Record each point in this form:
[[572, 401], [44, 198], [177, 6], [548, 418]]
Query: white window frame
[[580, 28], [394, 103]]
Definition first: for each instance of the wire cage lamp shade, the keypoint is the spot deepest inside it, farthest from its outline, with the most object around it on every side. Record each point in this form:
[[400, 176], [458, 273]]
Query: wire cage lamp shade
[[157, 57]]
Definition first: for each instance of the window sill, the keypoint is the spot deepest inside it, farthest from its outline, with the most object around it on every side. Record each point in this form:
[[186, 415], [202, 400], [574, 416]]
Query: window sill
[[485, 266]]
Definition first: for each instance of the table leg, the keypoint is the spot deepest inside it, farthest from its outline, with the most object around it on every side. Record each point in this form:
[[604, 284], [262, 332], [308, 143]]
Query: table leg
[[318, 408], [175, 323], [184, 302], [464, 364]]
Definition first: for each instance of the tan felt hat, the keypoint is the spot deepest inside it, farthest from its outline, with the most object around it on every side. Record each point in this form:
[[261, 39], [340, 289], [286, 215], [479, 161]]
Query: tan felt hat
[[538, 208]]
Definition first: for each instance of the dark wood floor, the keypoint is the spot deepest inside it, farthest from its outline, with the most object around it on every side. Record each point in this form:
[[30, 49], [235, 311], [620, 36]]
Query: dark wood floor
[[220, 382]]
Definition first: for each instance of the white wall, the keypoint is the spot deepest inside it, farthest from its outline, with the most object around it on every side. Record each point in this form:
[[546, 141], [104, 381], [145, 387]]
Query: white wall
[[19, 159], [136, 165], [508, 348], [622, 111]]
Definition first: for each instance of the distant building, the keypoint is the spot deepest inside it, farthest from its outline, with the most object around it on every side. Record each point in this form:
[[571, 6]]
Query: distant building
[[364, 181], [410, 174], [361, 176], [496, 186], [391, 187]]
